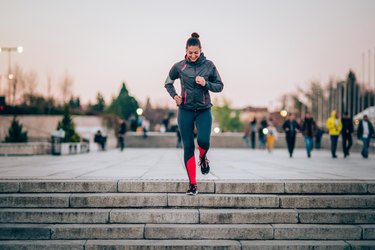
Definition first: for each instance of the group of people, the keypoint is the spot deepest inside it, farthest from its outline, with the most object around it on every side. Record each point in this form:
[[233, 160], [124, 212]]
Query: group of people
[[344, 126], [335, 126]]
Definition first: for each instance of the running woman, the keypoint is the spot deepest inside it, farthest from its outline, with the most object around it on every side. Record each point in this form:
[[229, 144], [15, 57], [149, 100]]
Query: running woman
[[197, 76]]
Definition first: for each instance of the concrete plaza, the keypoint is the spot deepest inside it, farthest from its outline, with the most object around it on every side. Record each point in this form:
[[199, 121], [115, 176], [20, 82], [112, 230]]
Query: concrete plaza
[[167, 164]]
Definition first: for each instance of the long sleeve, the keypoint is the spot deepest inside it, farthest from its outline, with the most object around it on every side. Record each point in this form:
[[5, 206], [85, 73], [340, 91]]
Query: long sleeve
[[214, 83], [172, 76]]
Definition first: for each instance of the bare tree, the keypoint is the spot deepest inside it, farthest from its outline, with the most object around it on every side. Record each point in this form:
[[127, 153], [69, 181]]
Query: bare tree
[[16, 85], [31, 82], [66, 87]]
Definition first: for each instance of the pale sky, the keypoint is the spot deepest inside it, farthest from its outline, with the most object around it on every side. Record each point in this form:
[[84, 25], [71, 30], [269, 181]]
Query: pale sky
[[262, 48]]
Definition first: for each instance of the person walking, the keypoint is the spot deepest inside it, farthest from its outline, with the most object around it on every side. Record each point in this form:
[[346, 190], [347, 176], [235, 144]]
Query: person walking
[[253, 131], [346, 133], [334, 127], [261, 134], [308, 130], [121, 134], [198, 76], [271, 136], [291, 128], [364, 132]]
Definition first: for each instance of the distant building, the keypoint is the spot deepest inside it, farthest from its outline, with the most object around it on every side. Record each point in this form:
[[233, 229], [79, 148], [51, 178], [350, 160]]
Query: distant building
[[248, 113]]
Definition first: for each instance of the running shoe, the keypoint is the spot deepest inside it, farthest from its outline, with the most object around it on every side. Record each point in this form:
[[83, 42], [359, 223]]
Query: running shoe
[[204, 164], [192, 190]]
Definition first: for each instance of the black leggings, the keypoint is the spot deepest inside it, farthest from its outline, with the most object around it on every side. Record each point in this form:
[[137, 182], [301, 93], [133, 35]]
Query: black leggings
[[203, 121]]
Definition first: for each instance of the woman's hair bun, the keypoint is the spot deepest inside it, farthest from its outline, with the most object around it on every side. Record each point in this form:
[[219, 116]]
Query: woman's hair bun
[[195, 35]]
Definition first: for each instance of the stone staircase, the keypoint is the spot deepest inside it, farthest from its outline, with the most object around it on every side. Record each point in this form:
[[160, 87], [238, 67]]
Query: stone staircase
[[155, 214]]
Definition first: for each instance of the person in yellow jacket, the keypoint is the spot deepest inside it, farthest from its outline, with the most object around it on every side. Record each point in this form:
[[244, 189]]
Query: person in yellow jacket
[[334, 127]]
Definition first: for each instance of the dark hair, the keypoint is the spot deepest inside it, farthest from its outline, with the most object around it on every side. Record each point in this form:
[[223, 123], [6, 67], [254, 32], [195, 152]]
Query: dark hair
[[193, 40]]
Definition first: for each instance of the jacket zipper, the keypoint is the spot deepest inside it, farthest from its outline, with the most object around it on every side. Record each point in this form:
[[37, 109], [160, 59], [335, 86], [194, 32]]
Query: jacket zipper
[[185, 95], [204, 98]]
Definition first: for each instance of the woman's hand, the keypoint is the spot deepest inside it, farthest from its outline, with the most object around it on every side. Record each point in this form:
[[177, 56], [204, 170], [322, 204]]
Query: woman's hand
[[200, 80], [178, 99]]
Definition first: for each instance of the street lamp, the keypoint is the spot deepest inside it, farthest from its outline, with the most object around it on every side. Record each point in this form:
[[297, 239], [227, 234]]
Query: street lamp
[[18, 49], [139, 111], [283, 113]]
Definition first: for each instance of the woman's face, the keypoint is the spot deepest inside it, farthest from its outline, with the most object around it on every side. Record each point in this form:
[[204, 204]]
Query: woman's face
[[193, 53]]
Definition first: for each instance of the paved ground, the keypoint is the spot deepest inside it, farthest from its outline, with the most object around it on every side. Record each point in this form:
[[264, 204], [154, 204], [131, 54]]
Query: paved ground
[[149, 164]]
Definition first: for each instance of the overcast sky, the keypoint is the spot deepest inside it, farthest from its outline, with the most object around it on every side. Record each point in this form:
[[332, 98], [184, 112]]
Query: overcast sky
[[262, 48]]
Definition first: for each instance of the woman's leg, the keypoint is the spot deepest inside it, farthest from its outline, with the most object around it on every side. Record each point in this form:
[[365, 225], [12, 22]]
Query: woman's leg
[[186, 125], [204, 125]]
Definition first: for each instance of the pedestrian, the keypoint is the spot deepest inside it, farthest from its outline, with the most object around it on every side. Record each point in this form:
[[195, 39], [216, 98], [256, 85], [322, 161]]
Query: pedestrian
[[121, 134], [262, 135], [253, 130], [364, 132], [308, 130], [346, 133], [291, 127], [318, 137], [271, 136], [197, 76], [334, 127], [246, 135]]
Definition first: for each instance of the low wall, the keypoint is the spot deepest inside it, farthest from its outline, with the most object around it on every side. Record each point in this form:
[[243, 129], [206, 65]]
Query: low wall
[[30, 148], [156, 140], [224, 140]]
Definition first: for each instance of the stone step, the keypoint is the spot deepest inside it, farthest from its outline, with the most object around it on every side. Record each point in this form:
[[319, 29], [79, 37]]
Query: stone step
[[185, 244], [43, 245], [317, 232], [336, 216], [128, 200], [173, 186], [187, 231], [34, 200], [278, 216], [54, 215], [187, 216], [327, 201], [294, 245]]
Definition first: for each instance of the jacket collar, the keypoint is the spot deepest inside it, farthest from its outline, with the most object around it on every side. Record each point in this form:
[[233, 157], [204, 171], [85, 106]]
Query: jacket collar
[[200, 60]]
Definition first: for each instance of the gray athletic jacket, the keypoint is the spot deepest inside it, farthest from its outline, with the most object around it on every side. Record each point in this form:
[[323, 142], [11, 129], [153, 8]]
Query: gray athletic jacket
[[194, 96]]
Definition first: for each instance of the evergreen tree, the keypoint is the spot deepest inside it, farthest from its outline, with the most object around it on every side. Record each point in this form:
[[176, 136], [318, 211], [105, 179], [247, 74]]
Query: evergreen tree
[[68, 126], [228, 118], [124, 105], [100, 103], [15, 133]]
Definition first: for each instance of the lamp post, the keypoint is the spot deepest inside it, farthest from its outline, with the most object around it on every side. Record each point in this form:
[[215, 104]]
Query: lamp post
[[10, 76]]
